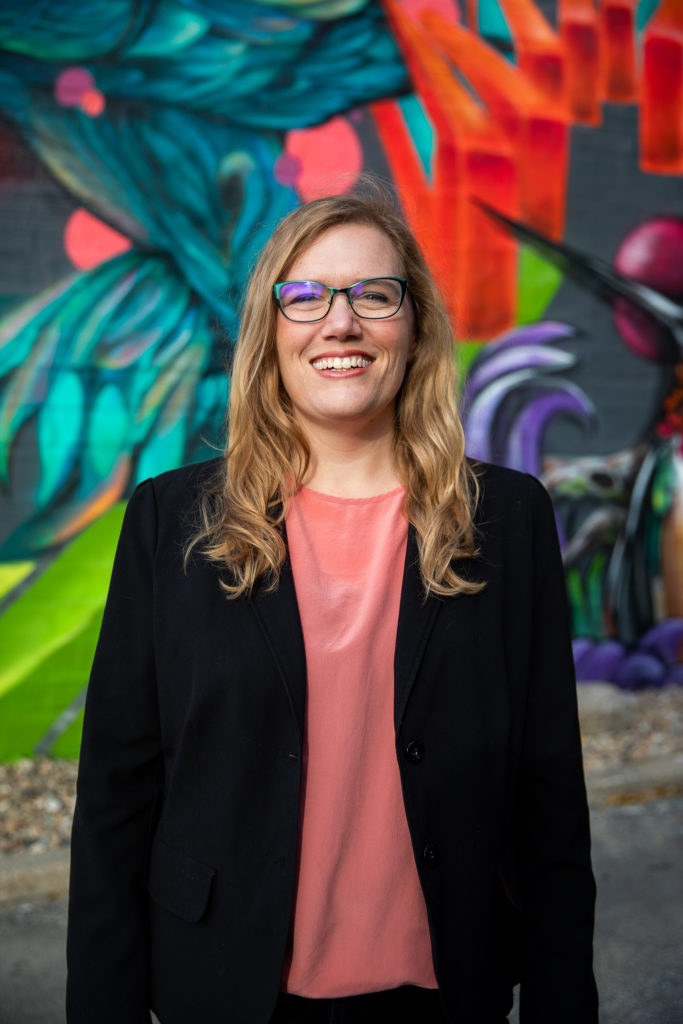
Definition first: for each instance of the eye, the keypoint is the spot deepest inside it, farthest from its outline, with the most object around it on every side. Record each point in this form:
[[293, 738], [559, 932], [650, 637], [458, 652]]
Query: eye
[[377, 293], [375, 296], [301, 293]]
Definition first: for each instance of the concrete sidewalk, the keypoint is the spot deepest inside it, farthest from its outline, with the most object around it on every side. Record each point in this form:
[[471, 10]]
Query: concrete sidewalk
[[33, 876]]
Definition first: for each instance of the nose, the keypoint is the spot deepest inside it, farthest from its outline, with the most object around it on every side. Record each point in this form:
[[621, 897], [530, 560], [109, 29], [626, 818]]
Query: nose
[[341, 317]]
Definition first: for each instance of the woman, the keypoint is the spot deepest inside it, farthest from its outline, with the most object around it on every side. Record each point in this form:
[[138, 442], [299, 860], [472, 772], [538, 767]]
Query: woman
[[331, 764]]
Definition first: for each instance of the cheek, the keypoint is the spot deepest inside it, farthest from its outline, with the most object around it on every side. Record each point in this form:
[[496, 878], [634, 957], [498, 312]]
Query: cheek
[[281, 358], [290, 342], [285, 351]]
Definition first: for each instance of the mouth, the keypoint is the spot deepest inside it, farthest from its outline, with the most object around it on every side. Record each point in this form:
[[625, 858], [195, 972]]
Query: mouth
[[341, 363]]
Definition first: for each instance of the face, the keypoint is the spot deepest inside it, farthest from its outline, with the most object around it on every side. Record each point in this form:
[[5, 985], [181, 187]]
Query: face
[[362, 394]]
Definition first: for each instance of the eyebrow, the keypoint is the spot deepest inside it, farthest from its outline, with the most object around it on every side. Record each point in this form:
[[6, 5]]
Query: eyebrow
[[353, 280]]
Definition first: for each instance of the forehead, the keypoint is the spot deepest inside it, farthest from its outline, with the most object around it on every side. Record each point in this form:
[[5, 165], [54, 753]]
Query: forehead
[[347, 253]]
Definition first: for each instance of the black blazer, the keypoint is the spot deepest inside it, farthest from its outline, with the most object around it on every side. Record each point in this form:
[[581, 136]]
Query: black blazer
[[185, 833]]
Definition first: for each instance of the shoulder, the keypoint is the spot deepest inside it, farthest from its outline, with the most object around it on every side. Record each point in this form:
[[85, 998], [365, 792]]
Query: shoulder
[[164, 504], [503, 490], [180, 488], [514, 518]]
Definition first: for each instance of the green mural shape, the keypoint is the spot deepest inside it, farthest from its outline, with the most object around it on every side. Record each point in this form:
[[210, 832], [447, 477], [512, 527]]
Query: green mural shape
[[37, 702], [48, 636], [537, 283], [12, 574]]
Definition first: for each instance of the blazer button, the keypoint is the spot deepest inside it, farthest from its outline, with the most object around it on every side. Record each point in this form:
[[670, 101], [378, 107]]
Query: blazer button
[[429, 855], [415, 750]]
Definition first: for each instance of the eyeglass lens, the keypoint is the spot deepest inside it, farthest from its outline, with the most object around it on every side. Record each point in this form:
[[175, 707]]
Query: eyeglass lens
[[373, 298]]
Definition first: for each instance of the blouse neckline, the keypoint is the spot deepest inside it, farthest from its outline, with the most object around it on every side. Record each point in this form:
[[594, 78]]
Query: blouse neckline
[[337, 499]]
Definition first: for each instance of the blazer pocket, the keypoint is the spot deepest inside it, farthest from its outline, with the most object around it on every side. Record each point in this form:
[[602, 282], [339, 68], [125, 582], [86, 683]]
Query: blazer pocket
[[178, 882]]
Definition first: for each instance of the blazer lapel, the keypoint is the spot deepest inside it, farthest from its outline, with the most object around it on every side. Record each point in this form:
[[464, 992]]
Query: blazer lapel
[[278, 615], [416, 618]]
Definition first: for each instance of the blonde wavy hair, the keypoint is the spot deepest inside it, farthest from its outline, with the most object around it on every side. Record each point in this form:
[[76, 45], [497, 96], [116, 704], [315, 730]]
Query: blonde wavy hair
[[241, 513]]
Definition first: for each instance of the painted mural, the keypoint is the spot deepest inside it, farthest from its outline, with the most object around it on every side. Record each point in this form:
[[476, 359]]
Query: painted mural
[[148, 148]]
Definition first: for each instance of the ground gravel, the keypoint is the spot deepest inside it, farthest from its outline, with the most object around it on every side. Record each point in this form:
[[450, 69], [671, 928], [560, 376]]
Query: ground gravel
[[37, 795], [621, 728], [37, 798]]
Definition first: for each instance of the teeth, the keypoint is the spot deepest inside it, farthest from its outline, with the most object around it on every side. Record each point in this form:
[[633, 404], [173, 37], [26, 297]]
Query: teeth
[[339, 363]]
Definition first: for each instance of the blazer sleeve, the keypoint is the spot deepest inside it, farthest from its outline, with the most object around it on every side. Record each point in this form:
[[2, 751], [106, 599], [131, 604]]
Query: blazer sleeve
[[554, 841], [119, 785]]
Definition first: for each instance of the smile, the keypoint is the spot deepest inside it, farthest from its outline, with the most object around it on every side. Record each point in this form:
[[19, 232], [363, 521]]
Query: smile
[[341, 363]]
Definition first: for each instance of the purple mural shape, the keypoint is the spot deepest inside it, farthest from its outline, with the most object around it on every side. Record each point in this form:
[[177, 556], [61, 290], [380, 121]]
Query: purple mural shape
[[510, 398], [654, 661]]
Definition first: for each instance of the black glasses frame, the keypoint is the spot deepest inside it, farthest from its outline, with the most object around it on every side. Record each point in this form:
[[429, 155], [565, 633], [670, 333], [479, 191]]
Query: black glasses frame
[[345, 291]]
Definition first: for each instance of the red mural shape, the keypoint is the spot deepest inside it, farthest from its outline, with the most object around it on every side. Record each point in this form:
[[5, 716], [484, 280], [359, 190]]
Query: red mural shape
[[509, 147], [618, 44], [539, 50], [661, 121], [324, 160], [472, 160], [88, 241], [537, 129], [652, 253], [579, 34]]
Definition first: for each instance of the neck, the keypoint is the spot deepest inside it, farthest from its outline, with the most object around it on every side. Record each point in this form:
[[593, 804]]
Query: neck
[[351, 465]]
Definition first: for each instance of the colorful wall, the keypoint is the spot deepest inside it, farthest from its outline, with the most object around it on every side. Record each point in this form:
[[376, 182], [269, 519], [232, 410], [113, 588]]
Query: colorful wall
[[146, 151]]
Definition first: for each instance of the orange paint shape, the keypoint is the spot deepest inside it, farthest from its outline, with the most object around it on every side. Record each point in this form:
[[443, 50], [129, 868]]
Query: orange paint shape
[[540, 53], [406, 167], [416, 8], [579, 32], [330, 158], [92, 102], [488, 254], [661, 108], [473, 259], [88, 241], [618, 46], [537, 129]]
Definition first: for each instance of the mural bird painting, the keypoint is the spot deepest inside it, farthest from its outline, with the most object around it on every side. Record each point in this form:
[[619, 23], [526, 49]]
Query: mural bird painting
[[129, 357]]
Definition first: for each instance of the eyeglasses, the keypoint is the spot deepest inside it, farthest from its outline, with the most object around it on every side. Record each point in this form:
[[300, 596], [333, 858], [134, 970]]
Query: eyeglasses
[[375, 298]]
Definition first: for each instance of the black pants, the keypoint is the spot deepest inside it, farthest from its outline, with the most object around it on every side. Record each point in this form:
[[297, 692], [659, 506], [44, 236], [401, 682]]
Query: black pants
[[406, 1005]]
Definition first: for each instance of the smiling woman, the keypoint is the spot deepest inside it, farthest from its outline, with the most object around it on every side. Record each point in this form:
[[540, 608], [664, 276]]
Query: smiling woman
[[331, 766], [304, 423]]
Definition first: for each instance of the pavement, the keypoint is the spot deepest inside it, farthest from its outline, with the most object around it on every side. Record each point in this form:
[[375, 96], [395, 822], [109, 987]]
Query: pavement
[[637, 827]]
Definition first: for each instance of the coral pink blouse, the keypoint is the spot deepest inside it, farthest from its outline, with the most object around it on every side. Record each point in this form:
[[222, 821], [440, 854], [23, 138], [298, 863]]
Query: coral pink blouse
[[360, 922]]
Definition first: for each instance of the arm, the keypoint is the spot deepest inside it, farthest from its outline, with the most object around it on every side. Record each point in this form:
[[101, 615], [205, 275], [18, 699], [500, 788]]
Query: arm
[[554, 838], [119, 785]]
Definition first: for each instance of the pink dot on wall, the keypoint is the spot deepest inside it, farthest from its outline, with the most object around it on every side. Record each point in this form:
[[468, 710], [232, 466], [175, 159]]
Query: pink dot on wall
[[88, 241], [71, 85], [330, 158], [287, 169]]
